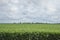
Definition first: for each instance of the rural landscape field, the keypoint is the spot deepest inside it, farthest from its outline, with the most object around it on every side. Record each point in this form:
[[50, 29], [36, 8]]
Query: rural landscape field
[[11, 28], [29, 19], [29, 31]]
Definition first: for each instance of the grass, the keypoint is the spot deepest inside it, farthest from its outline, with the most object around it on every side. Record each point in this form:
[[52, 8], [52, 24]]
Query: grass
[[22, 28], [29, 31]]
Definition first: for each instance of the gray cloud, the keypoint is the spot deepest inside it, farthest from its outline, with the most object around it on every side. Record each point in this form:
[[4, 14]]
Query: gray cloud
[[30, 11]]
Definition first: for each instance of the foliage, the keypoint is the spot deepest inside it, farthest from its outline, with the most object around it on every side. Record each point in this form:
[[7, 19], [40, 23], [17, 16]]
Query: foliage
[[29, 31], [29, 36]]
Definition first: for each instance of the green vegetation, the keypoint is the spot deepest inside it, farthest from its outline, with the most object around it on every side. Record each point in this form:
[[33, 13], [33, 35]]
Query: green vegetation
[[29, 31], [11, 28]]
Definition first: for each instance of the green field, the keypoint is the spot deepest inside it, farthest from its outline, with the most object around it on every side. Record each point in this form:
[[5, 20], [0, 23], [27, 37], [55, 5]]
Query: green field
[[29, 31], [11, 28]]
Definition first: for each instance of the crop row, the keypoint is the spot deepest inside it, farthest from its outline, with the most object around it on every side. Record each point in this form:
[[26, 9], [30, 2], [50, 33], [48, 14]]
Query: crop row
[[29, 36]]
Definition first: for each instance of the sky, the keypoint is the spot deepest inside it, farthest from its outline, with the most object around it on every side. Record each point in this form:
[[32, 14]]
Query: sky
[[42, 11]]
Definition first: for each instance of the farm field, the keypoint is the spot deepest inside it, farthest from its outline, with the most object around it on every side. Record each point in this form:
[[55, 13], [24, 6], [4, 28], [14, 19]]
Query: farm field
[[29, 31], [21, 28]]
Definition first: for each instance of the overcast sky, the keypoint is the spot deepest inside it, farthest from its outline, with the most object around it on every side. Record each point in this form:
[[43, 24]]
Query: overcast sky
[[29, 11]]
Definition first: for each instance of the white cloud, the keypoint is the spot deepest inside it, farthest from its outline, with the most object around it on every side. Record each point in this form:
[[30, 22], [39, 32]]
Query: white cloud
[[31, 10], [14, 1], [51, 8], [14, 9]]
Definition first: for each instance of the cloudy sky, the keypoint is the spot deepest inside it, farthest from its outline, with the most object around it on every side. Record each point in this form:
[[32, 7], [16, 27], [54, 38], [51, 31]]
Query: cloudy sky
[[12, 11]]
